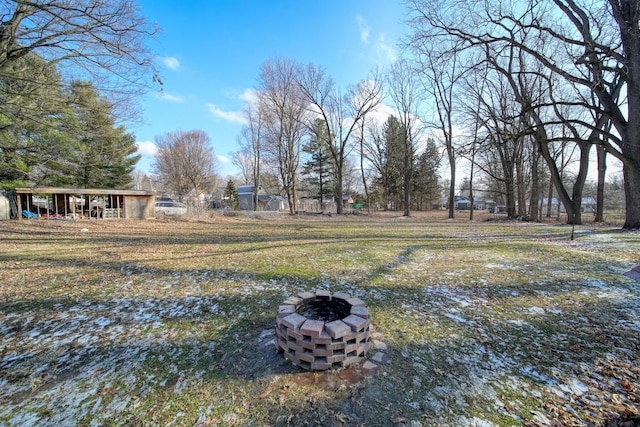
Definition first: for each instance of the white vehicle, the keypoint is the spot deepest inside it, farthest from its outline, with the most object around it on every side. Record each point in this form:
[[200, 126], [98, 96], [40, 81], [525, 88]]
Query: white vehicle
[[171, 208]]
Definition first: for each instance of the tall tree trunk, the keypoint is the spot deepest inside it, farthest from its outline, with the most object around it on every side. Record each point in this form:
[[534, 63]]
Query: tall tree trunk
[[294, 195], [630, 145], [602, 172], [632, 196], [256, 178], [520, 180], [509, 187], [581, 178], [407, 174], [471, 200], [626, 13], [452, 184], [550, 199], [631, 149], [473, 162], [364, 178], [535, 184], [338, 189], [289, 190]]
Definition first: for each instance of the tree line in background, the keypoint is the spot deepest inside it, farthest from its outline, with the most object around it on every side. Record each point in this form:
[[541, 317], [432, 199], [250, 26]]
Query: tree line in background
[[522, 91], [303, 129], [537, 84]]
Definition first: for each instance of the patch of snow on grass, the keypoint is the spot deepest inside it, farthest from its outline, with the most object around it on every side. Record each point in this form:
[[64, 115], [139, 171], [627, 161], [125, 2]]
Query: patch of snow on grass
[[456, 318], [536, 310], [496, 266], [575, 387]]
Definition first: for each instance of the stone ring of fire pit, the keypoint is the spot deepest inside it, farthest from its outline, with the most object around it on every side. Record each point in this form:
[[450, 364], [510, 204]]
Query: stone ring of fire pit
[[319, 331]]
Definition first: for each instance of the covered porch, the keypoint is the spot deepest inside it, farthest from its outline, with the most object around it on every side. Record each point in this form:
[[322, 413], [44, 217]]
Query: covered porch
[[77, 203]]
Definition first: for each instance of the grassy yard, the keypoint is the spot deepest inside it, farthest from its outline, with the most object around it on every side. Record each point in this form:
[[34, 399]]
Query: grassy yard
[[171, 322]]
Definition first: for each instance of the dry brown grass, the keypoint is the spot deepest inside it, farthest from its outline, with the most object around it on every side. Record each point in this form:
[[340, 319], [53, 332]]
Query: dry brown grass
[[167, 322]]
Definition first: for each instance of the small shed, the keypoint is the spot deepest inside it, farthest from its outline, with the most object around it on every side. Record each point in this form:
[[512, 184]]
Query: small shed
[[246, 196], [347, 200], [54, 202], [5, 207], [482, 204], [462, 203], [273, 203]]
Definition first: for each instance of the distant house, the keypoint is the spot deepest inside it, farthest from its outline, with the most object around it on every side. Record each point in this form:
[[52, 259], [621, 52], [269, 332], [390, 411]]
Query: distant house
[[482, 204], [464, 204], [588, 206], [266, 202], [347, 200], [460, 203]]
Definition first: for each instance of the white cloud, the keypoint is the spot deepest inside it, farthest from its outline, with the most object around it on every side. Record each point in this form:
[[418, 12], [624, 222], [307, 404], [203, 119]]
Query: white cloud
[[385, 49], [170, 62], [168, 97], [146, 148], [380, 44], [230, 116], [364, 29], [381, 114], [222, 158], [249, 96]]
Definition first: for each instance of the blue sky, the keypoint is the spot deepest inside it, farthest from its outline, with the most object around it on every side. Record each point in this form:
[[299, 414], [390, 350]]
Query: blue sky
[[210, 52]]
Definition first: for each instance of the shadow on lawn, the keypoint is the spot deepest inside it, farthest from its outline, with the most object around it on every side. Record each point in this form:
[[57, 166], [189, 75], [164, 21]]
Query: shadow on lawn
[[434, 380], [114, 254], [118, 352], [206, 348], [247, 233]]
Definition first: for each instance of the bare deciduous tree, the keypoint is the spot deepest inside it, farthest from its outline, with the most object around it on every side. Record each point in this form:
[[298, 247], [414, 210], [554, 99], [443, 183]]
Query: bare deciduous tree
[[440, 75], [596, 47], [251, 141], [503, 137], [140, 180], [284, 114], [341, 114], [373, 149], [102, 41], [185, 163], [242, 160], [402, 87]]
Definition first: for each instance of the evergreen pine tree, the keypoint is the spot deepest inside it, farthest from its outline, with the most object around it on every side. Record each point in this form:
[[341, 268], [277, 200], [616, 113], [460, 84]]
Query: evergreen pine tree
[[318, 168], [100, 154]]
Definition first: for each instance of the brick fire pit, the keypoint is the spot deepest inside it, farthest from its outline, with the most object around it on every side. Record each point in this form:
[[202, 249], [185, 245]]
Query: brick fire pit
[[319, 331]]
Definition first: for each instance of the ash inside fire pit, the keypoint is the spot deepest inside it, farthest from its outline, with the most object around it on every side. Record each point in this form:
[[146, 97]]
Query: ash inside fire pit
[[324, 309], [318, 330]]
